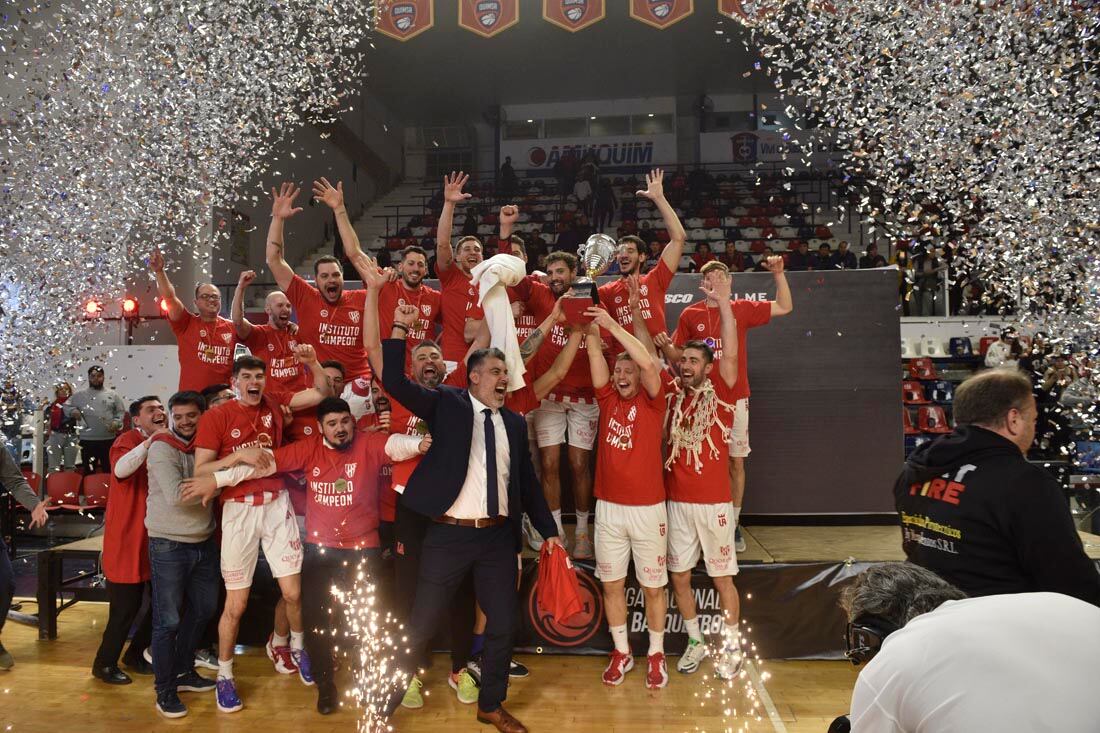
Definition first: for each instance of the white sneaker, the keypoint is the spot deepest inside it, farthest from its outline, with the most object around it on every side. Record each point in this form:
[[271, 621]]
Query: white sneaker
[[692, 657], [739, 544], [534, 539], [582, 547], [729, 663]]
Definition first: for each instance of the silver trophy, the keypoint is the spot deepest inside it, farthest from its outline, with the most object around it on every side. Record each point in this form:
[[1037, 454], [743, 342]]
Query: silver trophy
[[595, 255]]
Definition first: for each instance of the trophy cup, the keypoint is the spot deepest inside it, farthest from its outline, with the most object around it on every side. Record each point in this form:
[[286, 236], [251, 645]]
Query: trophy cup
[[594, 256]]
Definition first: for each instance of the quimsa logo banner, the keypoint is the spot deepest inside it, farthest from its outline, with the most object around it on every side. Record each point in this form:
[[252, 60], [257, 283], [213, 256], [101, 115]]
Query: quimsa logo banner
[[487, 17], [661, 13], [404, 19], [573, 15]]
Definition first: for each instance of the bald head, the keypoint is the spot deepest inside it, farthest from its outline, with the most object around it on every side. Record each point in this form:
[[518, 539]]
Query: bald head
[[277, 307]]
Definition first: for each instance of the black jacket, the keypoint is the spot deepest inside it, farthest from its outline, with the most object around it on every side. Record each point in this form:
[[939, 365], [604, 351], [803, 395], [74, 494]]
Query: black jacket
[[975, 512], [438, 478]]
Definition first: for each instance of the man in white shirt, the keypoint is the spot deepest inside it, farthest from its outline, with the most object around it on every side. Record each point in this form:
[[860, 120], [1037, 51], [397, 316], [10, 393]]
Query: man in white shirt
[[944, 663], [999, 353]]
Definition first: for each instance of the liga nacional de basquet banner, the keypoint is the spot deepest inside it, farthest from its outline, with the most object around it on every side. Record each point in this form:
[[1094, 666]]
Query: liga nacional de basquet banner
[[487, 17], [660, 13], [404, 19], [573, 15]]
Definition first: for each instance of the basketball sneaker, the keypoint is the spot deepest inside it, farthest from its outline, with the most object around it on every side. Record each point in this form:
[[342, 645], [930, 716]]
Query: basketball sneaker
[[656, 674], [303, 665], [617, 668], [693, 655], [582, 547], [729, 663], [281, 657], [515, 669], [413, 698], [739, 541], [534, 539], [206, 659], [228, 702]]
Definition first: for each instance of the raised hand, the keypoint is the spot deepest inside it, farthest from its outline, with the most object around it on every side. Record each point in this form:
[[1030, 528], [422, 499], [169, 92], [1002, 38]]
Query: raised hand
[[452, 187], [406, 315], [246, 278], [282, 204], [719, 291], [634, 290], [655, 186], [367, 267], [332, 196], [305, 353], [774, 264], [557, 312], [156, 261], [509, 214], [600, 318], [662, 340]]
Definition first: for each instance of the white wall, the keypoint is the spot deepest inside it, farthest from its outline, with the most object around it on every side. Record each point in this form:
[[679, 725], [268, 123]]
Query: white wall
[[588, 108]]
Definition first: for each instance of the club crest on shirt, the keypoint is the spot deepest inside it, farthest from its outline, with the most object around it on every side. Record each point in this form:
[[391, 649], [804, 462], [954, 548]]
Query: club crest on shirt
[[202, 333], [266, 420], [271, 347], [701, 327], [349, 469], [307, 430], [226, 337], [426, 309], [292, 344], [632, 413], [234, 433], [264, 440]]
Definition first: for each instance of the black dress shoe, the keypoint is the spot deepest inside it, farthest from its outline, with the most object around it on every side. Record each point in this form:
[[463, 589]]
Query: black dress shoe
[[111, 675], [138, 666], [327, 703]]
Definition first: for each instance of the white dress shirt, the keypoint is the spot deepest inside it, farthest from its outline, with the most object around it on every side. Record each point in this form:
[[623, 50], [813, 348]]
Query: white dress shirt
[[471, 501]]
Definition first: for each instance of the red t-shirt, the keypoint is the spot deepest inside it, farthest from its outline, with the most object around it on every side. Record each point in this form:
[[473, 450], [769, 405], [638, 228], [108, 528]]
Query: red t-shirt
[[125, 540], [615, 297], [628, 462], [576, 386], [458, 303], [710, 484], [205, 351], [335, 331], [427, 300], [702, 323], [342, 508], [232, 426], [387, 497], [285, 374]]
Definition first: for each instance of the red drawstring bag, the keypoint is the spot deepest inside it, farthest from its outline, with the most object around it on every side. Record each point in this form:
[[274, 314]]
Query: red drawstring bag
[[559, 591]]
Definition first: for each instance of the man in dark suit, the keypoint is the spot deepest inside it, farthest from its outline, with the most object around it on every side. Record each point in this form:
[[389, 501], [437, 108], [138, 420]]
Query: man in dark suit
[[475, 483]]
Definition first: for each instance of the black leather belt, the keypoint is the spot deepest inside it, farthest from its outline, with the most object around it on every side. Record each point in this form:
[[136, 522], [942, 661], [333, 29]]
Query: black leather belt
[[475, 523]]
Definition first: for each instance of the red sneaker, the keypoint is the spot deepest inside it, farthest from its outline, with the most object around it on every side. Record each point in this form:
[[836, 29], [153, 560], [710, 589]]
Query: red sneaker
[[656, 675], [281, 658], [617, 668]]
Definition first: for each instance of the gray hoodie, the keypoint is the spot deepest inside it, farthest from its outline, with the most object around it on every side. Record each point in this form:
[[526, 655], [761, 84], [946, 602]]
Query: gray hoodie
[[165, 515]]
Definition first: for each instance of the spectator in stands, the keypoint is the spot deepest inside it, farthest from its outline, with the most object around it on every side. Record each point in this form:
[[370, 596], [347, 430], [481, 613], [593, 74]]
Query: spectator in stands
[[905, 275], [508, 181], [762, 263], [801, 259], [702, 256], [927, 643], [61, 427], [823, 260], [12, 481], [469, 225], [1081, 392], [737, 261], [1058, 376], [871, 258], [570, 236], [582, 191], [654, 255], [606, 203], [1003, 352], [973, 509], [926, 284], [100, 411], [565, 170], [843, 258]]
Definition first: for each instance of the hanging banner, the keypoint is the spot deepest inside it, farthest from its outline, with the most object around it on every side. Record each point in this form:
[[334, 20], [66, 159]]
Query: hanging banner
[[660, 13], [404, 19], [744, 10], [573, 15], [487, 17]]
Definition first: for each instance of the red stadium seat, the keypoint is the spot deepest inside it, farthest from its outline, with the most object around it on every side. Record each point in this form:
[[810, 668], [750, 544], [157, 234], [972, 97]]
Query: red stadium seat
[[922, 368], [95, 490], [63, 490], [907, 422], [33, 480], [759, 246], [912, 393], [823, 232], [932, 419], [985, 343]]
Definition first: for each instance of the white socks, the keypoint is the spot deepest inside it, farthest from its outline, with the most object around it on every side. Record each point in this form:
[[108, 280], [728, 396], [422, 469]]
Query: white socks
[[691, 626], [582, 523], [278, 641], [225, 669], [731, 636], [656, 642], [557, 520], [618, 635], [297, 640]]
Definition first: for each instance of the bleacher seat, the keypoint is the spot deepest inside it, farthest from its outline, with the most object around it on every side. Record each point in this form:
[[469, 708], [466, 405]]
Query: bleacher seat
[[932, 346], [907, 423], [759, 246], [912, 393], [960, 347], [33, 480], [909, 349], [985, 343], [932, 419], [922, 368], [697, 235], [718, 247], [942, 391], [694, 222], [63, 490], [95, 489]]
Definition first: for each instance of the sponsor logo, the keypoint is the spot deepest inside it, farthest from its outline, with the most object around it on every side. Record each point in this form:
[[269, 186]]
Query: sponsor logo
[[324, 312], [316, 471], [722, 521], [234, 433], [578, 628], [744, 147], [307, 430], [271, 347], [701, 327], [613, 153], [660, 8], [618, 299], [679, 298], [404, 16]]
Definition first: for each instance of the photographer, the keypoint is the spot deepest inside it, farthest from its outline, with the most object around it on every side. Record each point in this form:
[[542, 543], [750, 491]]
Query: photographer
[[939, 661]]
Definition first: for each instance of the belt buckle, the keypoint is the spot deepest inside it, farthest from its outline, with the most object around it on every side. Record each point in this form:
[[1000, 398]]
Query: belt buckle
[[481, 523]]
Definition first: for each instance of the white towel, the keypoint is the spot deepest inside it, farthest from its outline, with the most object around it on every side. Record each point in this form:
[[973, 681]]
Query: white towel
[[492, 278]]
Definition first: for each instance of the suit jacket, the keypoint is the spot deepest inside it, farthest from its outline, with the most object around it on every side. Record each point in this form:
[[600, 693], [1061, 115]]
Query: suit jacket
[[437, 480]]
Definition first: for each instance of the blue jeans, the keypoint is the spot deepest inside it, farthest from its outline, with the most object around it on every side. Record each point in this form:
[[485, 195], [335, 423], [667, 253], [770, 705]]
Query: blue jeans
[[185, 598]]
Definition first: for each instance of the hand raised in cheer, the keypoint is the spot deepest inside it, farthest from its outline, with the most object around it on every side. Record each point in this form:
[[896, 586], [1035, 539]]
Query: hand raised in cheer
[[372, 276], [774, 264], [600, 319], [282, 204], [717, 288], [305, 353], [332, 196], [509, 214], [452, 187], [406, 315], [655, 185], [156, 261], [246, 278]]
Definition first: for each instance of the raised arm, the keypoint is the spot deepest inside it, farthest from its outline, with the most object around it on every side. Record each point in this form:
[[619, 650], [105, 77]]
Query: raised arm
[[727, 365], [651, 376], [560, 366], [597, 364], [165, 289], [452, 194], [509, 215], [374, 280], [655, 192], [533, 342], [322, 388], [244, 328], [282, 208], [333, 196], [783, 304], [641, 329]]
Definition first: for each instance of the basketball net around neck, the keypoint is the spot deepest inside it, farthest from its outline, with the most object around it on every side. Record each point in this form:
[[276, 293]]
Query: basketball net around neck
[[690, 428]]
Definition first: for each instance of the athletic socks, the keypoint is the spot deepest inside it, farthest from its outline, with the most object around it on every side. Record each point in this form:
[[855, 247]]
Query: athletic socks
[[278, 641], [225, 669], [618, 635], [691, 626], [582, 523], [297, 640], [656, 642], [731, 635], [557, 520], [478, 645]]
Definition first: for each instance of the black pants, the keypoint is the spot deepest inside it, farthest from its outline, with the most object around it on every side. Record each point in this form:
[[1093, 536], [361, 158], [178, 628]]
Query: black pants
[[126, 601], [7, 581], [326, 629], [95, 455], [449, 555], [410, 529]]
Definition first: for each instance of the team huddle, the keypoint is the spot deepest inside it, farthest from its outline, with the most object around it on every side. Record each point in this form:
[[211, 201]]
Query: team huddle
[[305, 428]]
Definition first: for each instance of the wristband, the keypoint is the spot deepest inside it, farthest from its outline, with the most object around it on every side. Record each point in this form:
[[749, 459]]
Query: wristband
[[402, 326]]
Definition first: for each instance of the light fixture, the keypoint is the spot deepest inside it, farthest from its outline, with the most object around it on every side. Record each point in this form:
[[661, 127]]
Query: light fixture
[[530, 122], [650, 114], [92, 309], [591, 118], [130, 307]]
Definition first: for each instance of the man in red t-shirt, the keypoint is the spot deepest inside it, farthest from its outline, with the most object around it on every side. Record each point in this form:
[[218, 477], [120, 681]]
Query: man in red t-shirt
[[700, 321], [700, 514], [204, 342], [274, 342], [328, 316], [654, 284], [462, 316], [257, 512], [126, 544], [631, 519], [409, 289]]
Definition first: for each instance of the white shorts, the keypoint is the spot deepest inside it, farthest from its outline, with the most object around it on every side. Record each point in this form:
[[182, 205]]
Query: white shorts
[[623, 531], [739, 436], [705, 527], [554, 419], [245, 528]]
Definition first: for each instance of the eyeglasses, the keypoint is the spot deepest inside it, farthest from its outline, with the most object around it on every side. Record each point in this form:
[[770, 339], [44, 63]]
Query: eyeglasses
[[208, 296]]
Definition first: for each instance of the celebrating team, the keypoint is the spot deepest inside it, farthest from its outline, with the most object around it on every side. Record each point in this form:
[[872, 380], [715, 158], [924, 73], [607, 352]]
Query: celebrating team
[[292, 439]]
